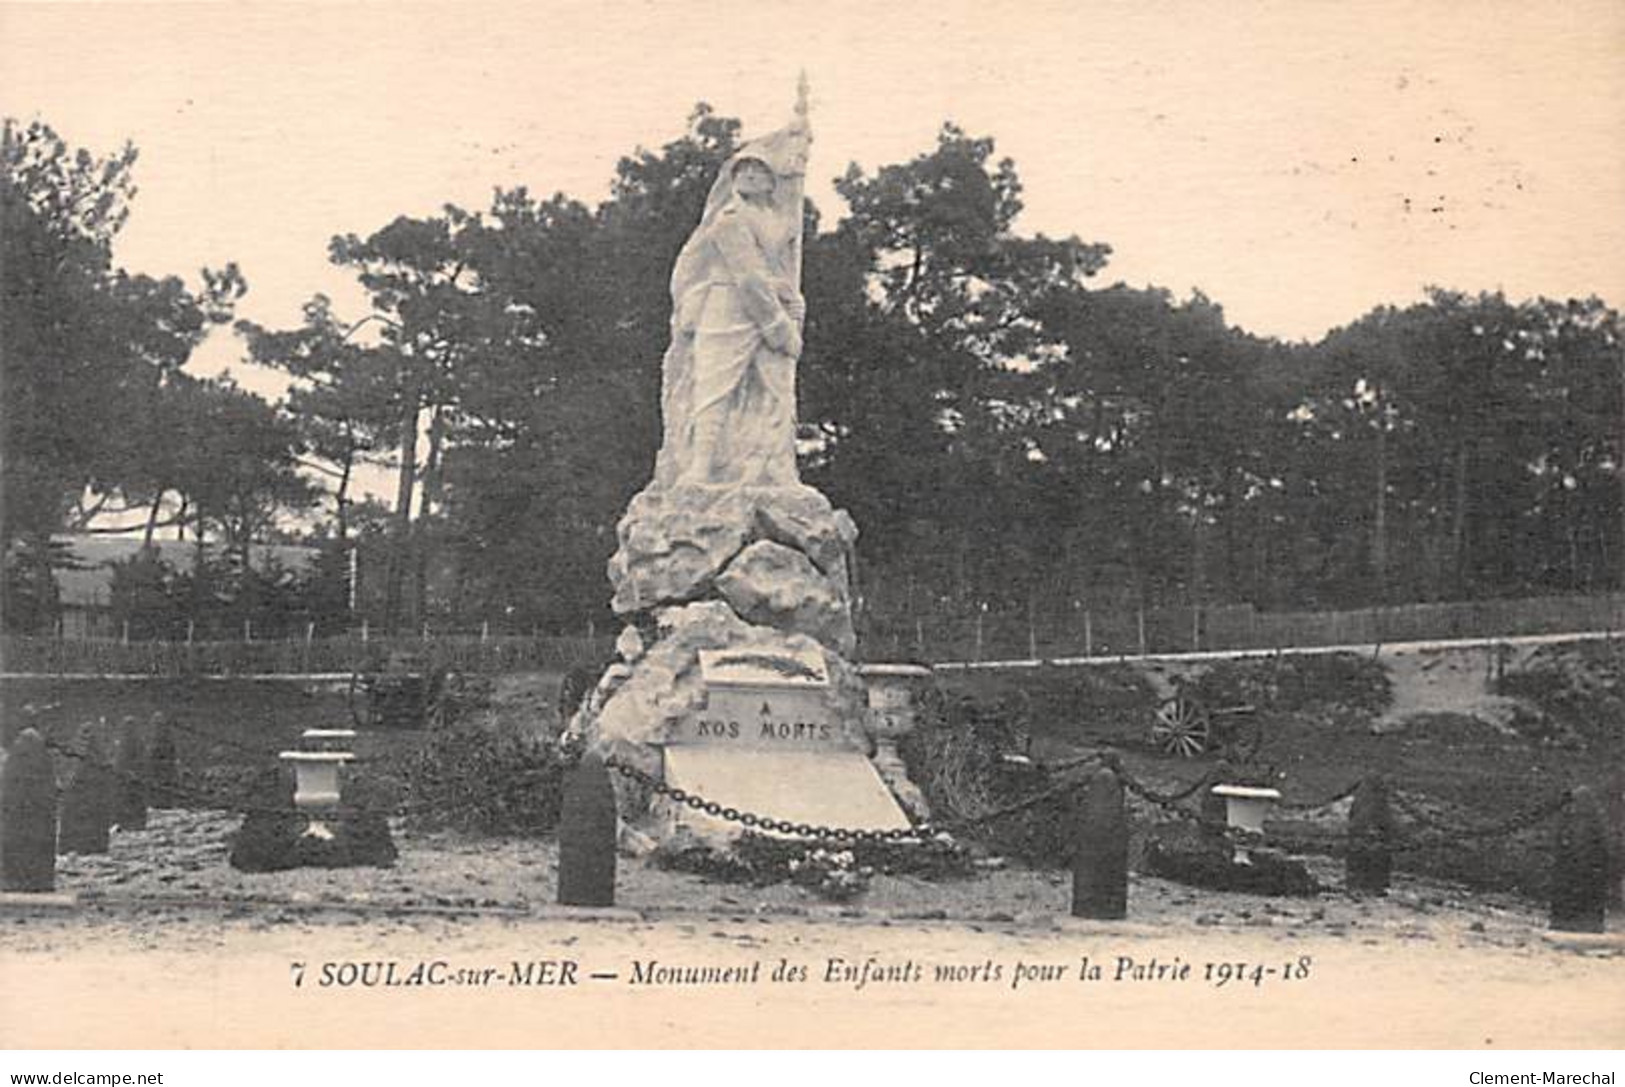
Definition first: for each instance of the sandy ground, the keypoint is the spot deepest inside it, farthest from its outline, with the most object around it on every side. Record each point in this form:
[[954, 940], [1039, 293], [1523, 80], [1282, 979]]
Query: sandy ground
[[1428, 682], [170, 948], [182, 857]]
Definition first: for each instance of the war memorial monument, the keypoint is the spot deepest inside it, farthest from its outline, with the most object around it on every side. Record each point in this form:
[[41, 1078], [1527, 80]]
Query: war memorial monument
[[736, 679]]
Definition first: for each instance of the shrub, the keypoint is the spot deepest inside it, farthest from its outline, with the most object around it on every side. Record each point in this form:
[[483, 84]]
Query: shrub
[[1458, 729], [1100, 701], [482, 777], [1109, 701], [1345, 687], [1185, 856], [275, 841], [574, 688], [1578, 688], [957, 757]]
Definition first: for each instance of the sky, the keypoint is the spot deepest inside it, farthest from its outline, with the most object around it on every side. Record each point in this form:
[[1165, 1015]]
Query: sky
[[1299, 162]]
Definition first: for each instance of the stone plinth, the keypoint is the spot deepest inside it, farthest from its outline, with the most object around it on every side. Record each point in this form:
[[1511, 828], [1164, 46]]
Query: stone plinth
[[805, 785], [770, 740], [735, 682], [652, 698], [746, 715]]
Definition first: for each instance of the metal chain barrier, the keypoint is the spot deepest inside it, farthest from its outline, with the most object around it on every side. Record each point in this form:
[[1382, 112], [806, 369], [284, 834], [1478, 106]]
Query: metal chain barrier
[[221, 741], [1308, 806], [1166, 801], [1514, 825], [202, 799], [1015, 808], [196, 796], [927, 833], [919, 833]]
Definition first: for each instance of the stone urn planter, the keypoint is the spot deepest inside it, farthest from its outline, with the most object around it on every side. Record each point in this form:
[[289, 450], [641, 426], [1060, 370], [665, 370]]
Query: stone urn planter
[[323, 831], [1245, 808], [316, 785], [891, 714]]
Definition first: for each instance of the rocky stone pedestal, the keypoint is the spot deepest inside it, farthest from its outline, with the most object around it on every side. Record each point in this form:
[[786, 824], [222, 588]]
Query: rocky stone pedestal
[[777, 556], [736, 656]]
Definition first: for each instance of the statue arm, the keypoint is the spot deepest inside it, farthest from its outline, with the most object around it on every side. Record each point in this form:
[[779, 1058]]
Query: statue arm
[[760, 301]]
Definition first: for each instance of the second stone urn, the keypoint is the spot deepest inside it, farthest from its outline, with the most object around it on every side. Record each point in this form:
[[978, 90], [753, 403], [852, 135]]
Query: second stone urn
[[892, 713]]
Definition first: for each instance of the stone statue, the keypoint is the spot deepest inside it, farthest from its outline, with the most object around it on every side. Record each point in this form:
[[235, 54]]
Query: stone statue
[[728, 380], [733, 576]]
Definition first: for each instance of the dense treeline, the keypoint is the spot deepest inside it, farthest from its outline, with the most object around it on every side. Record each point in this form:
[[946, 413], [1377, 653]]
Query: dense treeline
[[97, 417], [1006, 428]]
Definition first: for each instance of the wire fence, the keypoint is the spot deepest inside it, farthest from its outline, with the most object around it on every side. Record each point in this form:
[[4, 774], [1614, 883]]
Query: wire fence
[[976, 635], [1075, 630], [20, 655]]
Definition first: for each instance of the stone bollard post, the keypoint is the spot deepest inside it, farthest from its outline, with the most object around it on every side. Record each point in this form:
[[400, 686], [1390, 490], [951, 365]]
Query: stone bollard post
[[587, 826], [87, 803], [130, 768], [1100, 857], [28, 817], [1580, 866], [1368, 864], [163, 765]]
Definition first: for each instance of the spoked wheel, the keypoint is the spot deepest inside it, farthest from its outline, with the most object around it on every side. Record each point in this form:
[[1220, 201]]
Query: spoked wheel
[[1181, 727]]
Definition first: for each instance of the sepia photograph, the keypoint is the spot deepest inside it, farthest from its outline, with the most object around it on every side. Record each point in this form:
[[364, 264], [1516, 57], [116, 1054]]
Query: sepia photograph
[[1002, 525]]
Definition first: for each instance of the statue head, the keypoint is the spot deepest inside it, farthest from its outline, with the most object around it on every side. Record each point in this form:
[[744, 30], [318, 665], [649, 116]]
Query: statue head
[[753, 177]]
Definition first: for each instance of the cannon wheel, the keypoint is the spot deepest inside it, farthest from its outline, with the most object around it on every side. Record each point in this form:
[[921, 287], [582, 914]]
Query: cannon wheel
[[1181, 727]]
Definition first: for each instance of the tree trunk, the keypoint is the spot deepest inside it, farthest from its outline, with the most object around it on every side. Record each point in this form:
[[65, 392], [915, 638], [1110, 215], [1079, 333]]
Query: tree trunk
[[432, 490], [341, 500], [1620, 574], [1379, 518], [1458, 522], [200, 579], [406, 485], [1198, 559], [152, 520], [1575, 580], [961, 565], [1232, 512]]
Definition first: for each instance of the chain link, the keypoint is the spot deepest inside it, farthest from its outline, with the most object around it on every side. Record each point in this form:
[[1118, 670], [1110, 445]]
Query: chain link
[[1162, 800], [1514, 825], [1337, 797], [990, 817], [921, 833], [219, 741], [178, 789], [924, 833]]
